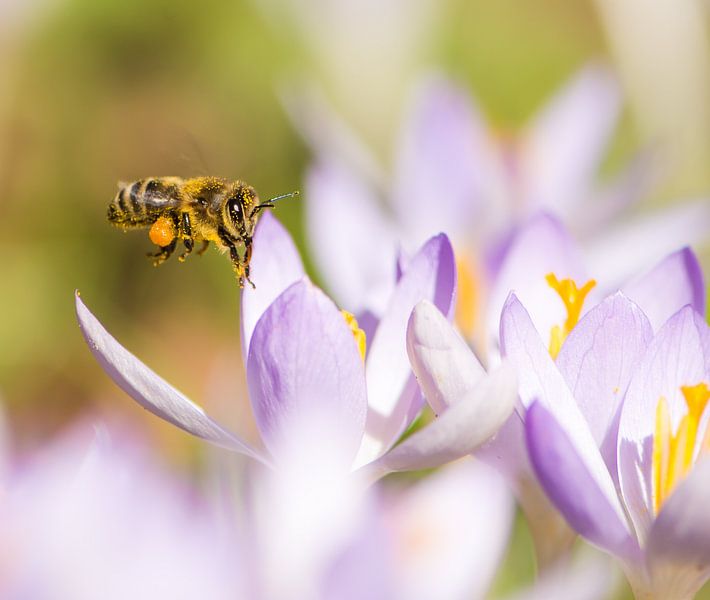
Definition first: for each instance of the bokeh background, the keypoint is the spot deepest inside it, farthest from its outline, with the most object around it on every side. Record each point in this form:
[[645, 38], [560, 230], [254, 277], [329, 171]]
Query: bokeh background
[[97, 92]]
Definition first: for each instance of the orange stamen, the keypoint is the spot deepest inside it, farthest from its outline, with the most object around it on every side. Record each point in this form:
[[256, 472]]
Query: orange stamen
[[358, 334], [468, 291], [573, 298], [673, 453]]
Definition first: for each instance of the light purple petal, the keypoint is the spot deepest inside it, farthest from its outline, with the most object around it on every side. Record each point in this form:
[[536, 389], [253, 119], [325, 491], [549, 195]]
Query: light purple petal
[[443, 364], [275, 265], [540, 380], [678, 355], [597, 361], [627, 248], [542, 246], [461, 429], [304, 372], [431, 275], [460, 516], [679, 541], [564, 475], [566, 142], [444, 153], [352, 240], [676, 281], [628, 188], [151, 391], [507, 453]]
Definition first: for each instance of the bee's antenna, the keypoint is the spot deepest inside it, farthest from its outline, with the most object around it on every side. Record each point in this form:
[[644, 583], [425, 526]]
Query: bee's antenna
[[270, 203]]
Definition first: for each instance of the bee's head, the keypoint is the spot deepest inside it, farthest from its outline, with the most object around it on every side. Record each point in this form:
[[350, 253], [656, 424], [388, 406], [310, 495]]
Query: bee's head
[[240, 210]]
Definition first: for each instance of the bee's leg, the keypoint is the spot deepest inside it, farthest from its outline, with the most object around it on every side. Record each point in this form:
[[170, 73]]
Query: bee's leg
[[205, 245], [186, 235], [234, 255], [163, 254], [247, 260]]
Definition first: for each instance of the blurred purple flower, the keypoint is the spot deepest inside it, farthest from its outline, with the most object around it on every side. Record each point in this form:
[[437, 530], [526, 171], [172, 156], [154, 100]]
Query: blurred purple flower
[[449, 532], [87, 518], [317, 535], [307, 377], [604, 426], [452, 174]]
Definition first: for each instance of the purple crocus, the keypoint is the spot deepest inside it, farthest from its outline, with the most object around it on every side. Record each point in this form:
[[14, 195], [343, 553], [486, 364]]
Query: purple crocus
[[452, 174], [94, 515], [614, 427], [545, 269], [308, 369], [557, 283]]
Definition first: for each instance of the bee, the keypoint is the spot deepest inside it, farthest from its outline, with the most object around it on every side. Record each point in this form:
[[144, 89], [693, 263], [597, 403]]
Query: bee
[[201, 209]]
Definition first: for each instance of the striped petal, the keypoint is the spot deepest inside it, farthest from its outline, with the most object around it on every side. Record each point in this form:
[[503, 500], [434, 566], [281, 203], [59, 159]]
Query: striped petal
[[306, 377], [572, 487], [151, 391]]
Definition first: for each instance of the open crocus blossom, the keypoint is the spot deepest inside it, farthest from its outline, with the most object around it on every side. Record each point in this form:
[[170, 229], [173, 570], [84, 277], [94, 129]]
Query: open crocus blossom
[[614, 428], [556, 282], [307, 369], [545, 268]]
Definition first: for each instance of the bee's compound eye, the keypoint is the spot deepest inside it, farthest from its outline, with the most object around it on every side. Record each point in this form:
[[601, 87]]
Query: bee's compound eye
[[236, 213]]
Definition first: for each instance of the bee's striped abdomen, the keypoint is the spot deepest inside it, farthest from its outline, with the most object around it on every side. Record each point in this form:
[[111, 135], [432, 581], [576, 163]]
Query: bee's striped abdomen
[[140, 203]]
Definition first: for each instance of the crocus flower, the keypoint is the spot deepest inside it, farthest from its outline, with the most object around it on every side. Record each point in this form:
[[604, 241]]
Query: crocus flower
[[451, 174], [545, 269], [308, 369], [614, 427], [89, 516]]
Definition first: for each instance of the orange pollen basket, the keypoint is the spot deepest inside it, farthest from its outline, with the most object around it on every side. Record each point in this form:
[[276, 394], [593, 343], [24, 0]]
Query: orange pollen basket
[[162, 232]]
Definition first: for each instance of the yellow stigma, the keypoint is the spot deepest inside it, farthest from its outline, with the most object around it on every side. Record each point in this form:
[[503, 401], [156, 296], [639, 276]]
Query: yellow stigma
[[468, 300], [573, 299], [358, 333], [673, 453]]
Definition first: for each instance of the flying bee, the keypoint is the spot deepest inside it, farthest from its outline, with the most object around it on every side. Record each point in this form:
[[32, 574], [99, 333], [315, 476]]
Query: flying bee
[[201, 209]]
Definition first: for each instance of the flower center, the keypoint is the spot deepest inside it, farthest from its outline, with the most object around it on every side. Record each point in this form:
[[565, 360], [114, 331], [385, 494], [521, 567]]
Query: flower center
[[468, 295], [358, 334], [573, 299], [673, 453]]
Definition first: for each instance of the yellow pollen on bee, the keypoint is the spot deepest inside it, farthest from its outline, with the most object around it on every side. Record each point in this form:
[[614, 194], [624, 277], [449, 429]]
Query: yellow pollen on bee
[[162, 232], [468, 295], [358, 334], [672, 456], [573, 299]]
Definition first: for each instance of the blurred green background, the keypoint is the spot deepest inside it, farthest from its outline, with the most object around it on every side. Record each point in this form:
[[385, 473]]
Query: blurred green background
[[97, 92]]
